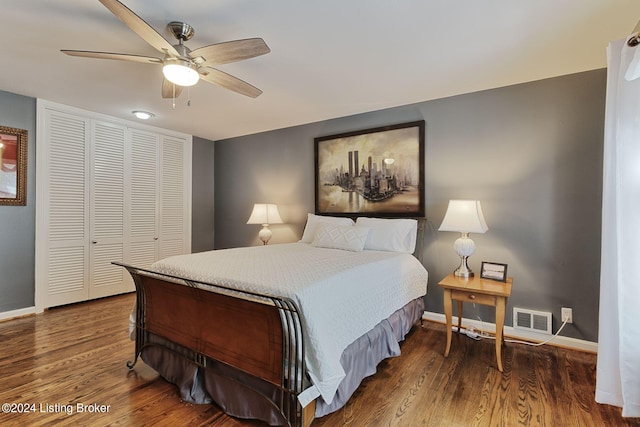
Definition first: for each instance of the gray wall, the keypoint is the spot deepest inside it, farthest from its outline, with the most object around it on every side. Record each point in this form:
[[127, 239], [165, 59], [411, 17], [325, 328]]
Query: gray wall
[[17, 223], [202, 195], [532, 153]]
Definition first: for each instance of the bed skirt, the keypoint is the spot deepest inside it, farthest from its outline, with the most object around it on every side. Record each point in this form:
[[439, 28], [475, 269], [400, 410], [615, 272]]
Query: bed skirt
[[243, 396]]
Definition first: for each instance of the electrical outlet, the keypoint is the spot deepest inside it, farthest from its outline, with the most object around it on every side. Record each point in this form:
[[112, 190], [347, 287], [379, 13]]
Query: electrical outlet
[[567, 315]]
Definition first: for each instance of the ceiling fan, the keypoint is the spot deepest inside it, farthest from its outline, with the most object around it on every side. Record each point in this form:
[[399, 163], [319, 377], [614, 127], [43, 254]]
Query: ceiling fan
[[182, 66]]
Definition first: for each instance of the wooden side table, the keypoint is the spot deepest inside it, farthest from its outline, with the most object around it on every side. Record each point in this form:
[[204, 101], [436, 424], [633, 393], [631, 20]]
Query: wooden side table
[[481, 291]]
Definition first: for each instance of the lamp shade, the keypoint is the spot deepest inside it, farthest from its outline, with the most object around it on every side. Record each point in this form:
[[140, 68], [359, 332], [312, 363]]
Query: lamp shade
[[264, 213], [464, 216]]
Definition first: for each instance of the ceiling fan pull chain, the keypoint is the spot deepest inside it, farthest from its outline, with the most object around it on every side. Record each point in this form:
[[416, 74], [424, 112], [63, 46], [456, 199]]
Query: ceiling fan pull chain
[[188, 96], [174, 96]]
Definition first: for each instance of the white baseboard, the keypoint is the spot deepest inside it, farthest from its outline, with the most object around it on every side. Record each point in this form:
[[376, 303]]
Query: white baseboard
[[17, 313], [559, 341]]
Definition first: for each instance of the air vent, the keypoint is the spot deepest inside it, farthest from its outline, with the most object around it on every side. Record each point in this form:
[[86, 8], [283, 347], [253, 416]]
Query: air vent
[[536, 321]]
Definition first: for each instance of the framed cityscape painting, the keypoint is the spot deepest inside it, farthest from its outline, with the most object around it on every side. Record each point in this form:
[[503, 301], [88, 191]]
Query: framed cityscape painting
[[375, 172]]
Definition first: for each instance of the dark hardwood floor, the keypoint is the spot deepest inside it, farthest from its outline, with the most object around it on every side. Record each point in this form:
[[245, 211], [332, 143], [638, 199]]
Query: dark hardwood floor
[[75, 355]]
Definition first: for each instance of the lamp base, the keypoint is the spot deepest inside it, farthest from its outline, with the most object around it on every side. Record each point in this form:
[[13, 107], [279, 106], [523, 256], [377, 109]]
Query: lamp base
[[465, 247], [463, 269], [463, 274], [265, 234]]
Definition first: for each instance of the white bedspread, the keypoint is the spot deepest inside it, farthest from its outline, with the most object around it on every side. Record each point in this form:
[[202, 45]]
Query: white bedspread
[[341, 294]]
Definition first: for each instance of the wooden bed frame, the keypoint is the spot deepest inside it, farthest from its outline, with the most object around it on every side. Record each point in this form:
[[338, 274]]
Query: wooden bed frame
[[256, 334]]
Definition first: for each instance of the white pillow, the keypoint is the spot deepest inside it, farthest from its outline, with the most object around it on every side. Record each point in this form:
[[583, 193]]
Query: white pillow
[[313, 220], [394, 235], [346, 237]]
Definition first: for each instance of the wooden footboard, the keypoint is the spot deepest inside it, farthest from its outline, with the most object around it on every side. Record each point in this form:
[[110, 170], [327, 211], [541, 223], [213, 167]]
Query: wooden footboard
[[257, 334]]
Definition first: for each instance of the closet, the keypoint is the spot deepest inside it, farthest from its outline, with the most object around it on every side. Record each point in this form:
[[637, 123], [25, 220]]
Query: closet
[[106, 190]]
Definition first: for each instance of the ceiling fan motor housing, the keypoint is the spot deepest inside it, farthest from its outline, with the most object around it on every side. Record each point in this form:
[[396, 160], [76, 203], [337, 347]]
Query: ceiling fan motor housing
[[181, 30], [183, 51]]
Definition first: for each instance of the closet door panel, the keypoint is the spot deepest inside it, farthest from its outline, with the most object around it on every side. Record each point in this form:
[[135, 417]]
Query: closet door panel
[[108, 182], [107, 210], [67, 178], [143, 233], [172, 197], [64, 156]]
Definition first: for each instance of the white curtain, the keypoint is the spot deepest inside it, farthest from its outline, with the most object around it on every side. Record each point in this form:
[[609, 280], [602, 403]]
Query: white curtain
[[618, 369]]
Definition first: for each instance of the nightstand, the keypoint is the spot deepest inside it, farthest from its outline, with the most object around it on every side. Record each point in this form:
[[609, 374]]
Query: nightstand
[[480, 291]]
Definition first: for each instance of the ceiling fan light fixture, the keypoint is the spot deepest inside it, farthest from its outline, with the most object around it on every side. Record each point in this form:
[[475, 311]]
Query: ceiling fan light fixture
[[180, 72]]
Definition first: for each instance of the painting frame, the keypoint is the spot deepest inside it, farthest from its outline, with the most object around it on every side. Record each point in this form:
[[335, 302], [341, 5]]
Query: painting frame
[[13, 158], [390, 179], [493, 271]]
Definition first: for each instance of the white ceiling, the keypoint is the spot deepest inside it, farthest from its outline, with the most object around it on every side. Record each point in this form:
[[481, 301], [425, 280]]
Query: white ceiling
[[329, 58]]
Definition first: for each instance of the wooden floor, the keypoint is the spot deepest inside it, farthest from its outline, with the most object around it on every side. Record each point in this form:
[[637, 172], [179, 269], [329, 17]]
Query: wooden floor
[[73, 359]]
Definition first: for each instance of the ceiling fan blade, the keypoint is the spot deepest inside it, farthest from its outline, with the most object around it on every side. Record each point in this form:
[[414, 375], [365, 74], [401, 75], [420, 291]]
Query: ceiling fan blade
[[140, 27], [227, 81], [168, 87], [116, 56], [237, 50]]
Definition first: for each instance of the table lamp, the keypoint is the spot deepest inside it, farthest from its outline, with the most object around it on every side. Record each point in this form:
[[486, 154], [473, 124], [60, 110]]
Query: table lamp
[[464, 216], [265, 214]]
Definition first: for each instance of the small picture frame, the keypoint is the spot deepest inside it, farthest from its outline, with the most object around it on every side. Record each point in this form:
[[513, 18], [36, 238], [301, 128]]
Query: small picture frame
[[493, 271]]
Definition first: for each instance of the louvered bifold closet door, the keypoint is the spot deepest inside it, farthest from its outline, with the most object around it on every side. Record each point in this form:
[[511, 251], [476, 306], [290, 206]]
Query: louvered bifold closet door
[[107, 210], [63, 268], [172, 197], [143, 232]]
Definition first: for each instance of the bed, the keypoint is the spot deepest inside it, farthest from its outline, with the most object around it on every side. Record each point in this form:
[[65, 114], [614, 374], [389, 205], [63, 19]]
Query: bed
[[281, 333]]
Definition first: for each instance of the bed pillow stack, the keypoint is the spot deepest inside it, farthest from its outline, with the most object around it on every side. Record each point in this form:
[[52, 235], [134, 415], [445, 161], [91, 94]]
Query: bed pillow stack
[[379, 234]]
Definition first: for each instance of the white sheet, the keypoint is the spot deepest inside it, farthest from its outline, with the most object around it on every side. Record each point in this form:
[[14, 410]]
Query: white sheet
[[341, 294]]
